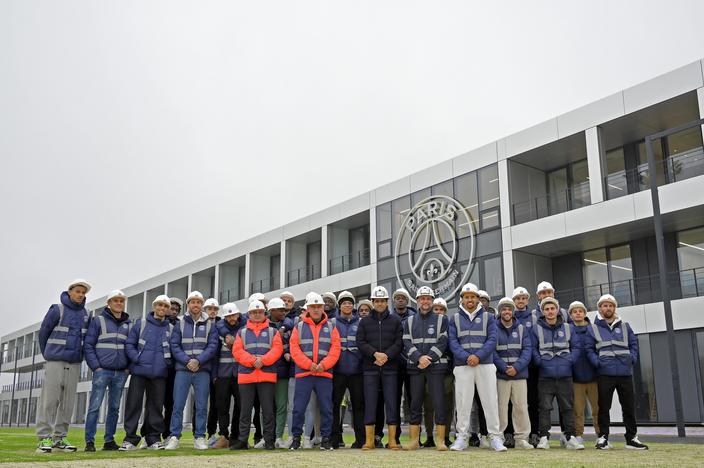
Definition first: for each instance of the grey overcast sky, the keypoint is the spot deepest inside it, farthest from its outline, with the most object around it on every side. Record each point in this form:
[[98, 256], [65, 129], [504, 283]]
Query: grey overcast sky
[[136, 136]]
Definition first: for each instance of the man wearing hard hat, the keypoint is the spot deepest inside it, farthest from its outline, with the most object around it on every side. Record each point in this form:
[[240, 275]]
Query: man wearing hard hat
[[104, 347], [194, 346], [211, 307], [61, 343]]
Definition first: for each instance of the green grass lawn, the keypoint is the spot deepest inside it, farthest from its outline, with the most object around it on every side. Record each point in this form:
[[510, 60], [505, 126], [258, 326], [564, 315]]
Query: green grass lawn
[[18, 445]]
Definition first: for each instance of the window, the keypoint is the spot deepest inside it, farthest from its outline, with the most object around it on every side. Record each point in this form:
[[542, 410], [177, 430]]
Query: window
[[690, 255], [580, 184], [383, 222], [644, 380], [467, 193], [608, 270]]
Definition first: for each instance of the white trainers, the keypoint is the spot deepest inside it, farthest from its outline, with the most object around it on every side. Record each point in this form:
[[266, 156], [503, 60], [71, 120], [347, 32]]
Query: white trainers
[[573, 444], [200, 444], [172, 443], [316, 440], [459, 444], [260, 444], [497, 445], [127, 447], [544, 443], [523, 444], [143, 444], [484, 442], [580, 439], [282, 444], [213, 439], [602, 443], [563, 441], [156, 446], [307, 444]]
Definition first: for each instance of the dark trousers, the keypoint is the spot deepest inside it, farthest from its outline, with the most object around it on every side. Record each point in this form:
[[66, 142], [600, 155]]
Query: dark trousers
[[371, 396], [436, 389], [561, 389], [379, 425], [624, 387], [355, 384], [266, 392], [168, 402], [322, 386], [225, 390], [533, 399], [403, 389], [153, 425], [257, 417]]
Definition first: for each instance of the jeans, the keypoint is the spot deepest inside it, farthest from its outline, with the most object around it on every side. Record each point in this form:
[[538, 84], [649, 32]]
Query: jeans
[[201, 387], [112, 382], [305, 386]]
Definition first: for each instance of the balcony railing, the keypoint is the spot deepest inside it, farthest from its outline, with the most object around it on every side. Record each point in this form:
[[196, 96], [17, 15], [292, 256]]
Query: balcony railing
[[228, 295], [265, 285], [302, 275], [348, 262], [676, 167], [22, 386], [551, 204], [641, 290]]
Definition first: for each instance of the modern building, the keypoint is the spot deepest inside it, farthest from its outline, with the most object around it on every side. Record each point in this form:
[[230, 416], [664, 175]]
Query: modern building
[[564, 201]]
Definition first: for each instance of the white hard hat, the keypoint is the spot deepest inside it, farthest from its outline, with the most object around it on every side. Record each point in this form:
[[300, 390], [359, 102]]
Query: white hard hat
[[505, 301], [230, 308], [544, 286], [549, 300], [314, 299], [441, 302], [177, 301], [425, 291], [79, 282], [520, 291], [607, 298], [211, 303], [576, 305], [469, 288], [345, 295], [403, 292], [365, 302], [257, 297], [163, 298], [114, 294], [380, 292], [330, 295], [255, 305], [276, 303], [194, 295], [287, 294], [484, 294]]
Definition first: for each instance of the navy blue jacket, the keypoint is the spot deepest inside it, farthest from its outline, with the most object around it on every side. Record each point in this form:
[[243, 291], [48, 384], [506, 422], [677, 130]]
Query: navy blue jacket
[[520, 357], [204, 349], [380, 333], [419, 332], [64, 341], [582, 370], [350, 361], [615, 360], [461, 342], [558, 366], [107, 351], [149, 351], [226, 366]]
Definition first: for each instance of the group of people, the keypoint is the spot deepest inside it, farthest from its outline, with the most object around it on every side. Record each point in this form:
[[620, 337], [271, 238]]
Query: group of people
[[494, 372]]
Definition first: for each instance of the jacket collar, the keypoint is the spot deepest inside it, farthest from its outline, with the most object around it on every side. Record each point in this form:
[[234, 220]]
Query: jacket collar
[[257, 327], [474, 313], [310, 322], [107, 313]]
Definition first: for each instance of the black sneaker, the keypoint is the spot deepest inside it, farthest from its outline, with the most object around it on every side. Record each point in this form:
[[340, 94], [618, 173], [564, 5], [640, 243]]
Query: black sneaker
[[269, 445], [602, 443], [296, 444], [448, 442], [377, 442], [356, 445], [325, 444], [509, 441], [635, 444], [90, 447], [429, 443], [112, 445], [239, 445], [474, 440], [533, 440]]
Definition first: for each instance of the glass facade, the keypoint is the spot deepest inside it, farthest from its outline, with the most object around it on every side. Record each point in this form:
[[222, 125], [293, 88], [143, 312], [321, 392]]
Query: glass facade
[[608, 270], [690, 255]]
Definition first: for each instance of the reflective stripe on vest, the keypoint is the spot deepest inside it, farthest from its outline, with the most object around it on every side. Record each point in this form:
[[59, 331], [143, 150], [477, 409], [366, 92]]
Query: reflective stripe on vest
[[612, 347], [226, 354], [462, 333], [546, 349], [257, 347], [166, 347], [110, 340], [58, 334], [347, 342], [504, 350], [306, 344], [191, 348], [431, 340]]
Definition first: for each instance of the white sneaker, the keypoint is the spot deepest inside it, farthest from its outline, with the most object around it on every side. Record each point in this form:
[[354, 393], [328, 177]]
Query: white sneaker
[[459, 444], [316, 440], [497, 445], [307, 444], [213, 438], [544, 443], [580, 439], [573, 444], [156, 446], [563, 441], [602, 443], [143, 444], [172, 443], [281, 443], [484, 442], [523, 444], [200, 444], [260, 444], [127, 447]]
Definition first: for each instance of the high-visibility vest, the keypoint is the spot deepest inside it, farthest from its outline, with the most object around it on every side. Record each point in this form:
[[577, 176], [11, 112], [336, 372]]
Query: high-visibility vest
[[257, 345], [557, 345]]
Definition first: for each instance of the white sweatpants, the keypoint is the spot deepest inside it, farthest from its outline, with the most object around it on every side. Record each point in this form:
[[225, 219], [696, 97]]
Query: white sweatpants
[[484, 377]]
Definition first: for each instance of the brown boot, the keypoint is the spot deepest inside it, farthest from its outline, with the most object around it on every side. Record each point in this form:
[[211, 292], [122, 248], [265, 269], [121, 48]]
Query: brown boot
[[415, 433], [441, 439], [222, 443], [369, 442], [392, 437]]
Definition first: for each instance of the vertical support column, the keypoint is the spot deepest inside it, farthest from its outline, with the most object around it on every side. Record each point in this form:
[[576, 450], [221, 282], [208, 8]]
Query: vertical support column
[[595, 149], [144, 304], [166, 288], [700, 100], [247, 271], [372, 240], [283, 283], [216, 282], [509, 280], [190, 285], [504, 193], [324, 251]]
